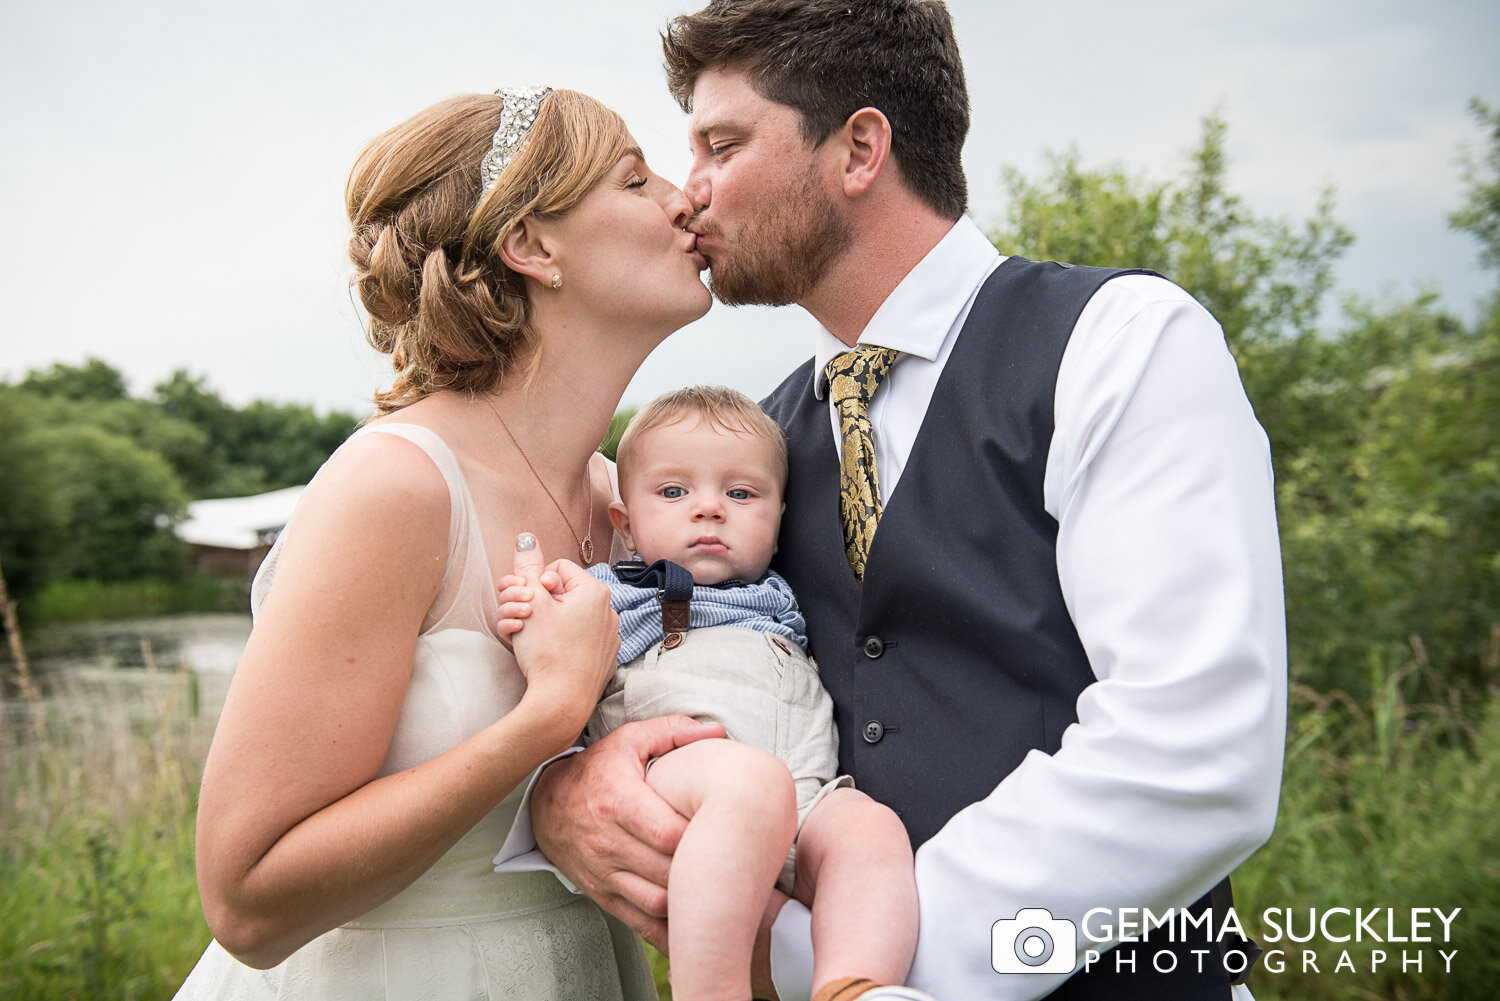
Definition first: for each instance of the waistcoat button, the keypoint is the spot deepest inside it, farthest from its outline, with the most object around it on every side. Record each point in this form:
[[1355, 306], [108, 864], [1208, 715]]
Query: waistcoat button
[[873, 732], [874, 646]]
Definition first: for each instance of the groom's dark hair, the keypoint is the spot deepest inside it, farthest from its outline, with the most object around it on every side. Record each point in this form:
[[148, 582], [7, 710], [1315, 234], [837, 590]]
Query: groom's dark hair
[[827, 59]]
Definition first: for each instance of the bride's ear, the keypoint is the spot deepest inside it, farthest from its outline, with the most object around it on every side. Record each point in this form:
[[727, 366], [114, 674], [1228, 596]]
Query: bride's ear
[[527, 250]]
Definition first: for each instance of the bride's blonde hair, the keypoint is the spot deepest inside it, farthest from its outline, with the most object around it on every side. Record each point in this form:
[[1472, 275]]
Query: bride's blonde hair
[[426, 242]]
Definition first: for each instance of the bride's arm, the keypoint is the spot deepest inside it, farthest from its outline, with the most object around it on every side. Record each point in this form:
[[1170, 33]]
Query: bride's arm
[[296, 834]]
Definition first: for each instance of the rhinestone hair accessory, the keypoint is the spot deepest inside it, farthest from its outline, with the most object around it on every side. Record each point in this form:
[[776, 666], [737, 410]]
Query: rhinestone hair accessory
[[516, 118]]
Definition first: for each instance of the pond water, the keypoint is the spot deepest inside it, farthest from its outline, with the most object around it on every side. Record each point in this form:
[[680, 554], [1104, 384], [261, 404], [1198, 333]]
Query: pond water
[[132, 656]]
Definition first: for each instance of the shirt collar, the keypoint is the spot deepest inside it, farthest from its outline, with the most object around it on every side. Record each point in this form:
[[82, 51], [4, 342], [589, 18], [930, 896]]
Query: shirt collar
[[916, 317]]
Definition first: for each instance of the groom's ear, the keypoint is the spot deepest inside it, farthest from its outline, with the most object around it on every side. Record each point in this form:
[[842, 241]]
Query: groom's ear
[[527, 250], [866, 144]]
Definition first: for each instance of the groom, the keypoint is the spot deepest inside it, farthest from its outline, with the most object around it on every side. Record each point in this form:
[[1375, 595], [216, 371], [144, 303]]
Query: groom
[[1030, 520]]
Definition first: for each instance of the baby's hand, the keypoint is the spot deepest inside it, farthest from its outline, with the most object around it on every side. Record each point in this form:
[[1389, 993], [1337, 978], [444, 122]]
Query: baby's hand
[[515, 596]]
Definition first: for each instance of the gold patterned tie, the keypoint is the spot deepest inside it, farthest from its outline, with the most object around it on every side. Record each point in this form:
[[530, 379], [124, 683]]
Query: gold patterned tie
[[853, 378]]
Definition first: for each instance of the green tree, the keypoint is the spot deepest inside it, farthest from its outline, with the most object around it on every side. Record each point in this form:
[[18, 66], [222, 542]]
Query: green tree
[[1480, 215], [95, 479], [1391, 502], [94, 380], [115, 503], [284, 443], [29, 522], [1264, 279], [264, 446]]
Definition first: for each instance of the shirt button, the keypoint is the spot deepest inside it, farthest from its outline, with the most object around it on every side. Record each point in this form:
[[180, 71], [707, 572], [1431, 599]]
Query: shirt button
[[874, 646], [873, 732]]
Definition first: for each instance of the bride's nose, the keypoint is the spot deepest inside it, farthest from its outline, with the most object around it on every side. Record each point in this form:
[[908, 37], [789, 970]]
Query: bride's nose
[[676, 205]]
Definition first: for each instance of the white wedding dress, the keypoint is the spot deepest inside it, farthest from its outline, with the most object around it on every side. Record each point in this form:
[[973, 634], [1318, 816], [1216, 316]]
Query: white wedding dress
[[461, 931]]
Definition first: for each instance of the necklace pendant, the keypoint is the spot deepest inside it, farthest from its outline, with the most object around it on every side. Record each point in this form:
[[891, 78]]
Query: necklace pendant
[[586, 551]]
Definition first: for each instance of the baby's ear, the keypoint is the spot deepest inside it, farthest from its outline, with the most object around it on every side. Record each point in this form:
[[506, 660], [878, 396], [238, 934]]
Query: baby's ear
[[620, 518]]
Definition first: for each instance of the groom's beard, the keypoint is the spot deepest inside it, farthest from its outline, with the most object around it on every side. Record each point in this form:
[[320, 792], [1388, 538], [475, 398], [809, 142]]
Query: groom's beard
[[782, 253]]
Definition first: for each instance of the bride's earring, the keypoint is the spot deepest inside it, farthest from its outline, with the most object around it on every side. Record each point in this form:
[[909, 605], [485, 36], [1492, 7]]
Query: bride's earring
[[557, 281]]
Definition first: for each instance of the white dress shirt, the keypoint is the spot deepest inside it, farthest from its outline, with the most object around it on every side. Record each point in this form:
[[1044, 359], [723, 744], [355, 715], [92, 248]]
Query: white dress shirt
[[1159, 478]]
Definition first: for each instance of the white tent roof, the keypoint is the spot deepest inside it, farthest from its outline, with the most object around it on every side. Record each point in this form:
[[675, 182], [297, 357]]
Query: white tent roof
[[239, 522]]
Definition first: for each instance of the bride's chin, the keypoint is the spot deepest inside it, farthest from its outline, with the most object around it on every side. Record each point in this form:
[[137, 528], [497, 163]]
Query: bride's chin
[[697, 308]]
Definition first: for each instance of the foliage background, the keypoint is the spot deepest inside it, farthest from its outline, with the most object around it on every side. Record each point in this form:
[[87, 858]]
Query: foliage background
[[1382, 419]]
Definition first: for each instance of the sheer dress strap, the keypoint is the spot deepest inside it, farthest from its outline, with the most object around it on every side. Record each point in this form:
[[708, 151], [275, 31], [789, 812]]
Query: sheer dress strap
[[465, 598]]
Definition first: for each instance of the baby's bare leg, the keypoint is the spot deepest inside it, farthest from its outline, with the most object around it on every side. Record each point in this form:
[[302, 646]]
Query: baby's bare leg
[[742, 811], [854, 869]]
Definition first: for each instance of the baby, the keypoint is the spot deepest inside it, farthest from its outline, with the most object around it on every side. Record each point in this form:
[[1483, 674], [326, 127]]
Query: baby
[[717, 636]]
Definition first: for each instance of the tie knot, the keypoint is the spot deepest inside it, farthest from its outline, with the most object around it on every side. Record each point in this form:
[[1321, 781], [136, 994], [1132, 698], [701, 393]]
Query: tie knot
[[855, 375]]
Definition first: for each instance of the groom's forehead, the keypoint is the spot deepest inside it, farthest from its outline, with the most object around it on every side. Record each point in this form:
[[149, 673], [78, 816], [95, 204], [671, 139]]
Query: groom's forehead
[[726, 99]]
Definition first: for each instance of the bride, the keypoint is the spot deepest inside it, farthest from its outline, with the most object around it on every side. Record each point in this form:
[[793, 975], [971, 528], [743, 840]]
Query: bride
[[518, 260]]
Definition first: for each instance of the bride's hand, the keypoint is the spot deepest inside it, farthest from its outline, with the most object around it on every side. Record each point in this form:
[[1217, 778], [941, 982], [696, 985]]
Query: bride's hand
[[571, 638]]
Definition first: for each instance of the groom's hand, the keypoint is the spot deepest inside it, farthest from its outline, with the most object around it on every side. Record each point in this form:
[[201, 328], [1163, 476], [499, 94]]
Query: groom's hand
[[598, 821]]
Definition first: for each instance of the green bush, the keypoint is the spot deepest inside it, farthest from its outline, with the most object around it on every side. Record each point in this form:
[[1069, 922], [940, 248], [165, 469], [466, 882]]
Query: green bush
[[96, 600], [1384, 805]]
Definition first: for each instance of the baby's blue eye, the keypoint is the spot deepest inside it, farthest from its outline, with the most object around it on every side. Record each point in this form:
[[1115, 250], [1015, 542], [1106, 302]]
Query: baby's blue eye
[[739, 493], [672, 493]]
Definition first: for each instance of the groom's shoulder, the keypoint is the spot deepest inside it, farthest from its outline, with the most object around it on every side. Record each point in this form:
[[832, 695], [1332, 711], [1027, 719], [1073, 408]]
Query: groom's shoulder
[[795, 389]]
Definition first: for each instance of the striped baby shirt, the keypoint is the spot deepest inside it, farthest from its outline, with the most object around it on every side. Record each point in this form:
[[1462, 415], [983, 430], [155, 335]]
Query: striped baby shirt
[[766, 606]]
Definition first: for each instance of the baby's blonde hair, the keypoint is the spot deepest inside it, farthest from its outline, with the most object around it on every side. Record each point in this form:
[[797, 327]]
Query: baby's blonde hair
[[722, 408]]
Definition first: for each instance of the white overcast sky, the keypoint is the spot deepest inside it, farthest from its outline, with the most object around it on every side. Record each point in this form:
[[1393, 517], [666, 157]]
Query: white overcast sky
[[173, 170]]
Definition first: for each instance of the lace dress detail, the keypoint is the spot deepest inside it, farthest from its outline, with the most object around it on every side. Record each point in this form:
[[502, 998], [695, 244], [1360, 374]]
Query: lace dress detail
[[461, 931]]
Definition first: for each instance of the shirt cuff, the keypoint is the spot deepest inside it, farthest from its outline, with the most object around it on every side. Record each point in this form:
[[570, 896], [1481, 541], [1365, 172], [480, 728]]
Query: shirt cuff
[[519, 853], [792, 953]]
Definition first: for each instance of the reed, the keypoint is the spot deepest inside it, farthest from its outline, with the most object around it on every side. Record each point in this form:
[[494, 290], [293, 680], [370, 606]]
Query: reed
[[98, 898]]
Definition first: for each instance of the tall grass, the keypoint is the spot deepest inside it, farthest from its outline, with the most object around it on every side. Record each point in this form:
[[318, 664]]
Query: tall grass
[[97, 893], [1385, 804]]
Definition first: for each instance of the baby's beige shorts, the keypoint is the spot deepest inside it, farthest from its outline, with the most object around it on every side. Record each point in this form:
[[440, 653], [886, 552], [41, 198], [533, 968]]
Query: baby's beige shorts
[[764, 689]]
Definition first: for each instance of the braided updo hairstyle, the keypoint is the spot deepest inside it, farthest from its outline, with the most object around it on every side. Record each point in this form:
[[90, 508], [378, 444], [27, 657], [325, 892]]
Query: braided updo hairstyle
[[426, 245]]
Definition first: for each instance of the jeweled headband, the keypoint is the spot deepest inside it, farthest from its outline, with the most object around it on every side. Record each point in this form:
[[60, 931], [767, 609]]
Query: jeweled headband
[[516, 118]]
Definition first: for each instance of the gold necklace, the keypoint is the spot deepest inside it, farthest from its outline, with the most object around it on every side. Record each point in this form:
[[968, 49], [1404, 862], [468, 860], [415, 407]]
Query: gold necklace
[[585, 544]]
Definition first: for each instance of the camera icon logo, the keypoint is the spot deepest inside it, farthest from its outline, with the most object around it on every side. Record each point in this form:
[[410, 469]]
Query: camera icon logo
[[1033, 942]]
